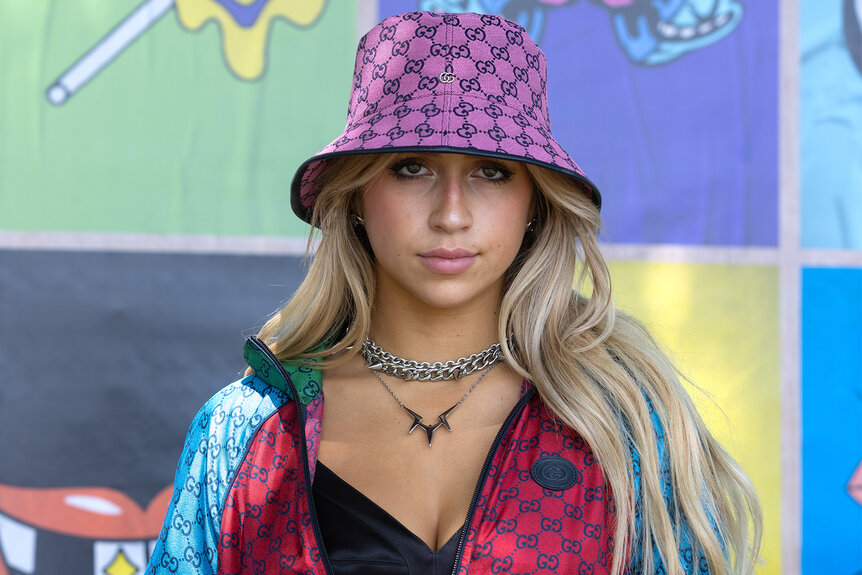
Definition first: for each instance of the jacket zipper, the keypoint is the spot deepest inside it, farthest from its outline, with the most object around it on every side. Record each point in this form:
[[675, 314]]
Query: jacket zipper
[[484, 474], [300, 410]]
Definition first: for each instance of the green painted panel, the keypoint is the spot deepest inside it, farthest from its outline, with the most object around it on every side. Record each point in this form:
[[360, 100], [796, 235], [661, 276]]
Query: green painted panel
[[166, 138]]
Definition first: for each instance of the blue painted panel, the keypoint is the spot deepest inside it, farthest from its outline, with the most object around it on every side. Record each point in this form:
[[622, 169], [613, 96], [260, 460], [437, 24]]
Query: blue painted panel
[[831, 420], [831, 124]]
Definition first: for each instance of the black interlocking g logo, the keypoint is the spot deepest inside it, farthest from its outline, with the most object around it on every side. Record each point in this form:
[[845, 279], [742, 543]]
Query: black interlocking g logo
[[402, 111], [500, 53], [414, 66], [400, 48], [467, 130], [509, 88], [391, 86], [430, 110], [470, 85], [496, 133], [486, 67], [423, 130], [475, 34], [555, 473], [514, 38], [463, 108], [395, 133], [387, 33], [425, 32], [493, 111]]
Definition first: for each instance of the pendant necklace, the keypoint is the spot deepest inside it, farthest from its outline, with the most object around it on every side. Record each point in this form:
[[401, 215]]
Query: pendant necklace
[[442, 419]]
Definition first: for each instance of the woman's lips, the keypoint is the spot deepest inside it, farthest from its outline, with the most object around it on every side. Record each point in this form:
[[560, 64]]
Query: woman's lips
[[448, 261]]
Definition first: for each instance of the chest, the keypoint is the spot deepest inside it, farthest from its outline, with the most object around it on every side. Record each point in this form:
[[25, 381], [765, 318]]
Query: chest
[[537, 503], [426, 488]]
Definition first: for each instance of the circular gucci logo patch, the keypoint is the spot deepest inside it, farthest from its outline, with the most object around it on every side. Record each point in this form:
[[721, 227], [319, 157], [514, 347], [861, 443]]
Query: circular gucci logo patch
[[554, 472]]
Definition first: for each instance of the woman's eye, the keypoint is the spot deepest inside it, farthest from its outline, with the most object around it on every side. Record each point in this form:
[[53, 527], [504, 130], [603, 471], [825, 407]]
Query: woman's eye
[[495, 173], [411, 169]]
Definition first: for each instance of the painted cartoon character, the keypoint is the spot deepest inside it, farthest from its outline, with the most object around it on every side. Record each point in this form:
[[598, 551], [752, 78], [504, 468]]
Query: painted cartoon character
[[651, 32], [74, 529]]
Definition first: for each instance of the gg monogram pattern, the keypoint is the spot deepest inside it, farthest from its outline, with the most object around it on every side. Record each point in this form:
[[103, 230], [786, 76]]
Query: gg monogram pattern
[[467, 83], [526, 528], [215, 447], [242, 501]]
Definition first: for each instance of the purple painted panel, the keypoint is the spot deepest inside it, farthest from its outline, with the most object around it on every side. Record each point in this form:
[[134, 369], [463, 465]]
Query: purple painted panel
[[680, 135]]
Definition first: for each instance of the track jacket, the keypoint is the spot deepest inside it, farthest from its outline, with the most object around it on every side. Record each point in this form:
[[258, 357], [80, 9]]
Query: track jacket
[[243, 502]]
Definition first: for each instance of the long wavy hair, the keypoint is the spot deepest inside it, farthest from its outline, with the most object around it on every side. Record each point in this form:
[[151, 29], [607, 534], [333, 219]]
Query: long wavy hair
[[597, 369]]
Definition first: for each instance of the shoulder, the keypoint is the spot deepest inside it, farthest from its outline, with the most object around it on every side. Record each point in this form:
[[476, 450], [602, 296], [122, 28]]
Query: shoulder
[[224, 426], [214, 449], [241, 404], [230, 418]]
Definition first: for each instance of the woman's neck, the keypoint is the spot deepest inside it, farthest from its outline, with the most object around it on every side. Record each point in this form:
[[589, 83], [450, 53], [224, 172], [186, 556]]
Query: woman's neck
[[423, 333]]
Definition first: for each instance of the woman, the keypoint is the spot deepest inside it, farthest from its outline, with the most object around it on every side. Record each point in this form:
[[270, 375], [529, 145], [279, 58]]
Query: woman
[[452, 226]]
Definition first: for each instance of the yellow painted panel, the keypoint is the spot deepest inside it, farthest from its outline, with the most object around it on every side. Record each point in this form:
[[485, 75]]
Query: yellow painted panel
[[720, 325]]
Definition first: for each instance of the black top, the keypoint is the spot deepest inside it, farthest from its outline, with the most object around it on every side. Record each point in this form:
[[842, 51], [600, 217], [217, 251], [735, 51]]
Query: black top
[[363, 539]]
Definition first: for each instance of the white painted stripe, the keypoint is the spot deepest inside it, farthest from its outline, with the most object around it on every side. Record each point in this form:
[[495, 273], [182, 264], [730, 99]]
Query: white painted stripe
[[172, 243], [366, 17], [691, 254], [108, 48], [294, 245], [790, 299], [830, 258]]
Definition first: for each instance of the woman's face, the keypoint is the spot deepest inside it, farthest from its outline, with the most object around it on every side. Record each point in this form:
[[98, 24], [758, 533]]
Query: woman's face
[[444, 228]]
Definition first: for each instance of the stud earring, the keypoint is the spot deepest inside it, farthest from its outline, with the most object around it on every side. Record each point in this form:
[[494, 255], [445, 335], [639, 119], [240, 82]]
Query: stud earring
[[531, 226], [357, 220]]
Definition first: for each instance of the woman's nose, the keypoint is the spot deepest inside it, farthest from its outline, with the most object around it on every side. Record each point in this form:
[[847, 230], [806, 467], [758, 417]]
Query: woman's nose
[[451, 211]]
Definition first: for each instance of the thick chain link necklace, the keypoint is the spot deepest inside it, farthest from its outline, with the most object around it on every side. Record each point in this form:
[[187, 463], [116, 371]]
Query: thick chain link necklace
[[381, 360], [442, 419]]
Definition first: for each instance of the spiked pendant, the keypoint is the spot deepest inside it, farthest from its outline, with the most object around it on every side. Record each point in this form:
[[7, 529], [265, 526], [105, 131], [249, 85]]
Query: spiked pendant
[[430, 429]]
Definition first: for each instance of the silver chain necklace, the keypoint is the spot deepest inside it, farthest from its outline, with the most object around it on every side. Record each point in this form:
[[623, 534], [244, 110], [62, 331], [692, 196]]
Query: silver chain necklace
[[442, 419], [381, 360]]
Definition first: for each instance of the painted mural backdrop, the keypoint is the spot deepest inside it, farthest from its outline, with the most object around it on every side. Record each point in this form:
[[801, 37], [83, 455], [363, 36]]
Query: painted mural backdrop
[[142, 124], [831, 220], [146, 148]]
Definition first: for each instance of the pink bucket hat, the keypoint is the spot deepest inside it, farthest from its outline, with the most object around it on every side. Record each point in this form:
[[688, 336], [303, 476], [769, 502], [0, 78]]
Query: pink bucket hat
[[465, 83]]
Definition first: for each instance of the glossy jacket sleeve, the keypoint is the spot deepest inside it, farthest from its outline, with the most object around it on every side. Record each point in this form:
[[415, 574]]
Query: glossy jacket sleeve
[[214, 448], [187, 542]]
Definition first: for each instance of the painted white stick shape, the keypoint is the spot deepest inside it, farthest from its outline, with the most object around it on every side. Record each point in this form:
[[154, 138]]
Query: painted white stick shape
[[107, 49]]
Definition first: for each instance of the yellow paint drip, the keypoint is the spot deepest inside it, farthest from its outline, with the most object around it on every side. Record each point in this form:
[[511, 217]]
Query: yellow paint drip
[[245, 48]]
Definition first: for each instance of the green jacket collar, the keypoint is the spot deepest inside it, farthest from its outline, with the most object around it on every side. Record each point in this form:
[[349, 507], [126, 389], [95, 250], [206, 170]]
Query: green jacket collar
[[299, 381]]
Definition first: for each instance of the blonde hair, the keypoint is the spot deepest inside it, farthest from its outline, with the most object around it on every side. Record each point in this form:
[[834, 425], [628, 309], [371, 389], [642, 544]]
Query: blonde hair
[[597, 369]]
